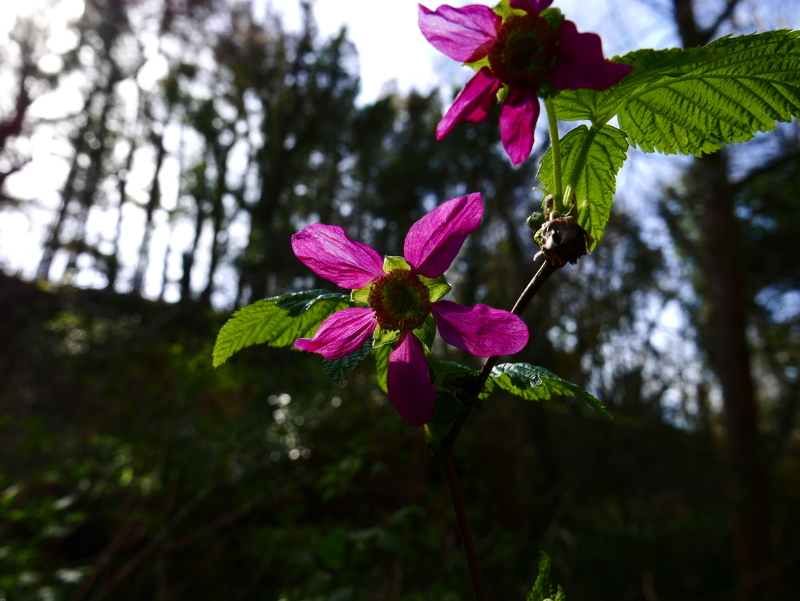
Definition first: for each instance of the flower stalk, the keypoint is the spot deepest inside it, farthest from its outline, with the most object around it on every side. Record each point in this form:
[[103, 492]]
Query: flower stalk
[[555, 145]]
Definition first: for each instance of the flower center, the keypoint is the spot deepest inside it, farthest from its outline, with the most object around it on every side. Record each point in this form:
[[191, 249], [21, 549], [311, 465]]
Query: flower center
[[400, 301], [524, 52]]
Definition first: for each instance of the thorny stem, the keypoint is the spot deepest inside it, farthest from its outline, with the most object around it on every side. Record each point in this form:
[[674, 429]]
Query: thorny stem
[[451, 478], [555, 145]]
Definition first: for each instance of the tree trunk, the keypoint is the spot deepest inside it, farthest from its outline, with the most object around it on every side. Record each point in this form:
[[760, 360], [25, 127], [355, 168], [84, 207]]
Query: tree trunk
[[726, 342], [730, 358]]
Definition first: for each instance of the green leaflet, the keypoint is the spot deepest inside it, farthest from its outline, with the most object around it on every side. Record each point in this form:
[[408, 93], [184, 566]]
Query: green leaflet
[[437, 288], [382, 366], [381, 337], [338, 369], [694, 101], [445, 412], [543, 588], [442, 370], [300, 302], [276, 321], [391, 263], [447, 407], [594, 189], [536, 384], [426, 334]]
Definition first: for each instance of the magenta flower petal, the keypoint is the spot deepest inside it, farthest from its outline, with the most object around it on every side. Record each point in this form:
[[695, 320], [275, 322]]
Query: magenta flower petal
[[342, 334], [518, 124], [409, 382], [580, 63], [331, 254], [434, 241], [464, 34], [533, 7], [480, 330], [472, 103]]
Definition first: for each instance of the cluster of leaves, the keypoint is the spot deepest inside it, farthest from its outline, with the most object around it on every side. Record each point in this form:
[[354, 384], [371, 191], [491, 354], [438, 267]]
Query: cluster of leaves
[[543, 589], [689, 101]]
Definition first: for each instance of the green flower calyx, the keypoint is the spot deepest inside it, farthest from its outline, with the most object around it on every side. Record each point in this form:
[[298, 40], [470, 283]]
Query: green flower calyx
[[401, 301], [524, 52]]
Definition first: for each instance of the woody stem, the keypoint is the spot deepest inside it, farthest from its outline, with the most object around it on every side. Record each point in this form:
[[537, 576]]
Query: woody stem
[[464, 531]]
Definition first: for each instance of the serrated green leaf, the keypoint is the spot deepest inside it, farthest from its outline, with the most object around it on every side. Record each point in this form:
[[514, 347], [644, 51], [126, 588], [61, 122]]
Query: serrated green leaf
[[536, 384], [693, 101], [382, 337], [649, 66], [426, 334], [382, 366], [300, 302], [543, 589], [264, 322], [338, 369], [391, 263], [594, 189]]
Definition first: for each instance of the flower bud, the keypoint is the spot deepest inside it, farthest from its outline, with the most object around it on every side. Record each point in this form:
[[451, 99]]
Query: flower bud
[[562, 240]]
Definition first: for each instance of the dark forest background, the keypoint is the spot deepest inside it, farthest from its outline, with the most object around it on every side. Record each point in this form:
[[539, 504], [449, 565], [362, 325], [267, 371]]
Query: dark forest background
[[130, 469]]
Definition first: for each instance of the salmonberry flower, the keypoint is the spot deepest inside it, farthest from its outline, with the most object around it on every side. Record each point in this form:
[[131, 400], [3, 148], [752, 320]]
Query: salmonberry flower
[[527, 53], [400, 294]]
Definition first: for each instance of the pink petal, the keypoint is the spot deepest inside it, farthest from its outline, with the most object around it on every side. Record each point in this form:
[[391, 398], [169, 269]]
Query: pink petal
[[472, 103], [342, 334], [531, 6], [480, 330], [518, 124], [434, 241], [580, 63], [331, 254], [464, 34], [409, 382]]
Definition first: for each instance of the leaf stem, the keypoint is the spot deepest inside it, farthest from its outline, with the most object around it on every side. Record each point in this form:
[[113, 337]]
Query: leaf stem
[[555, 145], [464, 531]]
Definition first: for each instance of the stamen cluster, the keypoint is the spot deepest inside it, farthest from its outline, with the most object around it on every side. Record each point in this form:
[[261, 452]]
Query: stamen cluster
[[400, 300], [524, 52]]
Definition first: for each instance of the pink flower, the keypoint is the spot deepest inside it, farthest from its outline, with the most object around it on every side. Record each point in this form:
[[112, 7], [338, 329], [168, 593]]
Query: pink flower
[[400, 294], [519, 54]]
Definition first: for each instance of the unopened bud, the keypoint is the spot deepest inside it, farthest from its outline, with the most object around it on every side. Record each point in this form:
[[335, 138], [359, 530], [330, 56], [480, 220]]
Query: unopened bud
[[562, 240]]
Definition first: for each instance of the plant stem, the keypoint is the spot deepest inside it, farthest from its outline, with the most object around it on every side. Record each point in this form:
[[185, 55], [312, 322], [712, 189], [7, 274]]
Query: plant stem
[[555, 145], [451, 478], [545, 271], [443, 452]]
